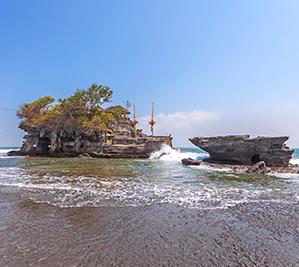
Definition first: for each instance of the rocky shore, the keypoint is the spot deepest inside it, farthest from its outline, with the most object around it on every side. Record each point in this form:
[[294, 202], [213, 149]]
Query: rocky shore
[[237, 168], [242, 154]]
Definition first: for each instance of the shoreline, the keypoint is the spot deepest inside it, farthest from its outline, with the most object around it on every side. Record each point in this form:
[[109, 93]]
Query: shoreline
[[234, 168], [248, 234]]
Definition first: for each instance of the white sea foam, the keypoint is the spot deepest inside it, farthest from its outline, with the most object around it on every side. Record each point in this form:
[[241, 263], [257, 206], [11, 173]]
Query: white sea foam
[[210, 168], [294, 161], [151, 183], [93, 191], [42, 186], [167, 153], [285, 175], [4, 151], [11, 157], [135, 194]]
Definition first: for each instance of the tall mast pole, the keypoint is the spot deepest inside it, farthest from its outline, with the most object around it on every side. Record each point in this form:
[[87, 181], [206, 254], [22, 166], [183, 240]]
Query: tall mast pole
[[134, 120], [152, 122]]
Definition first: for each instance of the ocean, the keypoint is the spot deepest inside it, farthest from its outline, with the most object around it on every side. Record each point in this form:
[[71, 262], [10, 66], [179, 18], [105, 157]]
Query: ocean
[[155, 212], [74, 182]]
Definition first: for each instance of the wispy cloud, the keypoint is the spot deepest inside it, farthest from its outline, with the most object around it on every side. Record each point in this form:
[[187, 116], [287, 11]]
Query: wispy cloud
[[178, 120], [181, 125], [261, 121]]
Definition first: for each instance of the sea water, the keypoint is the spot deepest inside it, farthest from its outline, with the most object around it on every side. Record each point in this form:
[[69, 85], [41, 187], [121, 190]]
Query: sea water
[[75, 182]]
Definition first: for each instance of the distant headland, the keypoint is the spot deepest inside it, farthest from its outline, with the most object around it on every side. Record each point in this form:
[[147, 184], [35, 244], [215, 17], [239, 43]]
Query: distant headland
[[79, 126]]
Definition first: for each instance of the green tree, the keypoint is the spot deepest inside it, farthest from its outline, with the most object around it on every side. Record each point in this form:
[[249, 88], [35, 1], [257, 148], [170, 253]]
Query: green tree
[[80, 113]]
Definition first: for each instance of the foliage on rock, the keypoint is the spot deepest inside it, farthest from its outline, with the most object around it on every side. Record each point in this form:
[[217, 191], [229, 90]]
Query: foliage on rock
[[82, 112]]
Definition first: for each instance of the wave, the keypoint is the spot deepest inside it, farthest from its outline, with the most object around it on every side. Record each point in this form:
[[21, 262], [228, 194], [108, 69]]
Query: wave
[[167, 153], [294, 161], [77, 191], [42, 186], [5, 150], [149, 183], [210, 168], [5, 156], [285, 175], [137, 193]]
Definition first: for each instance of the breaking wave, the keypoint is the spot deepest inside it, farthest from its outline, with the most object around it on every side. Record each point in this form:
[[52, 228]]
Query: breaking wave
[[4, 151], [286, 175], [167, 153], [162, 179], [294, 161], [93, 191], [212, 169]]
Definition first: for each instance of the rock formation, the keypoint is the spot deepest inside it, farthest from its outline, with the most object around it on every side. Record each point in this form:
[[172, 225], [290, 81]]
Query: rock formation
[[80, 126], [190, 161], [112, 146], [241, 149], [259, 167]]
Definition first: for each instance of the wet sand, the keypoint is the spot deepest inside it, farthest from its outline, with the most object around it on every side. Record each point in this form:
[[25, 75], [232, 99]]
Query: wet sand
[[252, 234]]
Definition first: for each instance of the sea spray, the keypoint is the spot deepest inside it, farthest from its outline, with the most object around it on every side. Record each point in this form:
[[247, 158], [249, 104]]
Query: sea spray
[[73, 182], [167, 153], [294, 161], [5, 150]]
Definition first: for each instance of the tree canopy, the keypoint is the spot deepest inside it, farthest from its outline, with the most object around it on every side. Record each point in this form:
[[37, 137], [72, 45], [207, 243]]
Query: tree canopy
[[81, 112]]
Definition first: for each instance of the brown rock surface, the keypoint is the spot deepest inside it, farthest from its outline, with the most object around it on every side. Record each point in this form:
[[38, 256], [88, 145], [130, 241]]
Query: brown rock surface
[[121, 142], [189, 161], [241, 149]]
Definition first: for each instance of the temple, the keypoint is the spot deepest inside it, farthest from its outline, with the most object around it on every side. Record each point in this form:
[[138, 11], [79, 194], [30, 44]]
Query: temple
[[80, 126]]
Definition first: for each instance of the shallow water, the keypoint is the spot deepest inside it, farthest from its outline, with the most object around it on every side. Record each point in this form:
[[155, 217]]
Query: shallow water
[[74, 182], [157, 212]]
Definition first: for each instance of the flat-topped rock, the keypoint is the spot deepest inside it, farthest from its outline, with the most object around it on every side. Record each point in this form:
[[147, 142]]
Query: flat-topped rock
[[241, 149]]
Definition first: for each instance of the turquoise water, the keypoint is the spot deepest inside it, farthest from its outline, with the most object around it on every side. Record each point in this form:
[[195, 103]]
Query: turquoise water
[[296, 153], [3, 150], [74, 182]]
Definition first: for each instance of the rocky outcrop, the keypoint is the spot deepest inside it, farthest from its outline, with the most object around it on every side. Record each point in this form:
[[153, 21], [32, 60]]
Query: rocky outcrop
[[121, 142], [122, 147], [189, 161], [79, 125], [241, 149], [259, 167]]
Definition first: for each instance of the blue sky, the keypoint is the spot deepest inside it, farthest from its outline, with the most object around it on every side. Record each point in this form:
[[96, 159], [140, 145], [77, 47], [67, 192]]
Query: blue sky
[[212, 67]]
